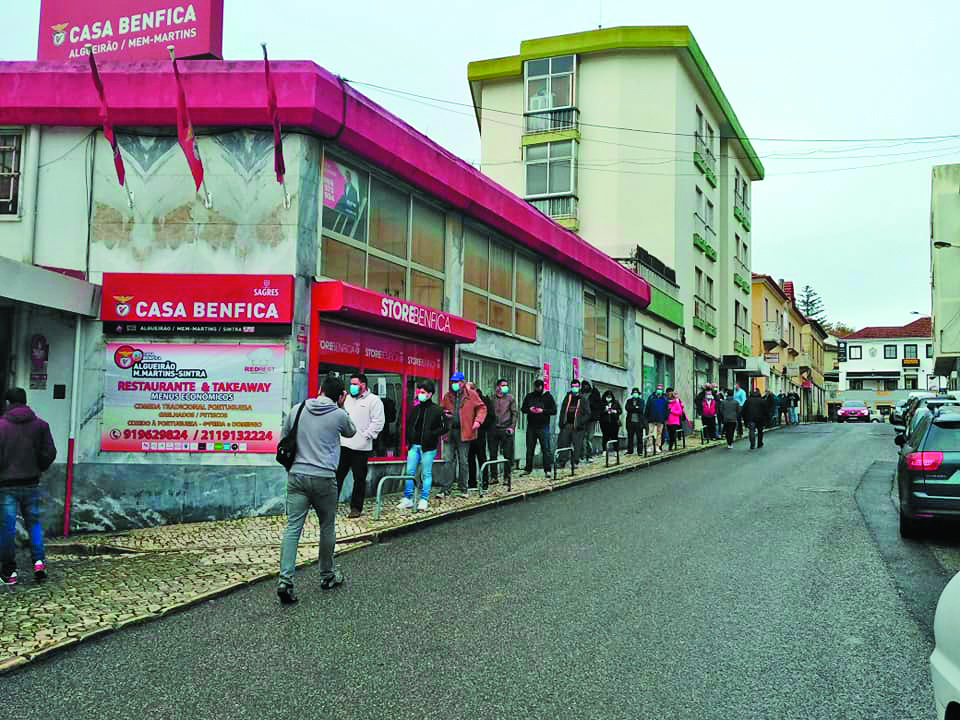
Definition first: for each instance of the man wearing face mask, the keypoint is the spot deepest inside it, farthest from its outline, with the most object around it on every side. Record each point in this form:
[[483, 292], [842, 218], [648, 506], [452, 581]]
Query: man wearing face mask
[[574, 419], [656, 416], [539, 406], [425, 425], [636, 421], [500, 438], [465, 413], [366, 411]]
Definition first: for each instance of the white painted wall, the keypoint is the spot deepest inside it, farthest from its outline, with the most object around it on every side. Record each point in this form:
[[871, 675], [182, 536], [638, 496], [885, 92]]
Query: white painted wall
[[872, 360]]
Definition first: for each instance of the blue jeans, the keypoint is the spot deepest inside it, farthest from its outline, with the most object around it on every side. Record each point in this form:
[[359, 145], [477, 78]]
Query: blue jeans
[[29, 498], [304, 492], [793, 416], [414, 456]]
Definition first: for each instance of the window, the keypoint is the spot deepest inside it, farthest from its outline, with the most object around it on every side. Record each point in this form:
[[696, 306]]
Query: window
[[736, 184], [380, 237], [856, 385], [766, 309], [550, 83], [929, 350], [603, 328], [709, 296], [910, 383], [484, 373], [700, 122], [700, 211], [709, 217], [910, 351], [500, 286], [711, 137], [550, 169], [889, 384], [11, 144], [889, 352], [855, 352], [698, 282]]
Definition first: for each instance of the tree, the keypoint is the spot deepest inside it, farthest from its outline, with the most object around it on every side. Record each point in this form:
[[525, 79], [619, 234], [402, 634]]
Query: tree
[[838, 329], [811, 305]]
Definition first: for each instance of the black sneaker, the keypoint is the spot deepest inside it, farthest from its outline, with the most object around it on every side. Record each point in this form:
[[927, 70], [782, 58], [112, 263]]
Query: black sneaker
[[39, 570], [285, 593], [332, 581]]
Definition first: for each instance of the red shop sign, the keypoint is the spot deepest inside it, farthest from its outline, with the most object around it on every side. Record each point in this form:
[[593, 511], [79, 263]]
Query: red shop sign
[[369, 307], [357, 348], [128, 30], [156, 297]]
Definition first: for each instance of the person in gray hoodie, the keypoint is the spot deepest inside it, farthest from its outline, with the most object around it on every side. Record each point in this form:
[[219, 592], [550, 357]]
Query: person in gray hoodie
[[312, 481], [730, 411]]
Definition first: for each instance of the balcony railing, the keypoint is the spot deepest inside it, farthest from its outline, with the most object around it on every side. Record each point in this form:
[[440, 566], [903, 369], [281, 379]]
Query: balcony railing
[[704, 237], [773, 334], [658, 281], [805, 360], [741, 267], [557, 207], [704, 159], [704, 316], [741, 341], [741, 210], [543, 121]]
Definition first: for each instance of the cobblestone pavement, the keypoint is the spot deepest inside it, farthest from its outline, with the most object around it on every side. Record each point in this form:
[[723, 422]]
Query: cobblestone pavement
[[100, 583]]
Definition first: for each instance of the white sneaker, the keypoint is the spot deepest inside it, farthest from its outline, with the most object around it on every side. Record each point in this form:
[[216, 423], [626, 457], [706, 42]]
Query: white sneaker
[[405, 504], [422, 505]]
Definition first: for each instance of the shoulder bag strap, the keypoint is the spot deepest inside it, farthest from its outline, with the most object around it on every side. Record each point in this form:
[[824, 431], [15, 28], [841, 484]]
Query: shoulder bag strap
[[296, 422]]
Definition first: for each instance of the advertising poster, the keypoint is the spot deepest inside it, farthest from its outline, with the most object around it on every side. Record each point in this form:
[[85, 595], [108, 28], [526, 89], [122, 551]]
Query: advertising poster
[[342, 189], [210, 398]]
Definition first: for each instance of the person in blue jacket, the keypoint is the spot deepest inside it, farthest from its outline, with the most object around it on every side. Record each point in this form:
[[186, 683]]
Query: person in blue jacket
[[740, 395], [656, 416]]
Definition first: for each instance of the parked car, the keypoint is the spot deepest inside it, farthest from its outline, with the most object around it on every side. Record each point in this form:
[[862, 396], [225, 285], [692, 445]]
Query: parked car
[[896, 417], [945, 660], [853, 411], [913, 399], [927, 405], [928, 470]]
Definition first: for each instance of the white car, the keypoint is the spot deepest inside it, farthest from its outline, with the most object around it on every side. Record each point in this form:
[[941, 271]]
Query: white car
[[945, 660]]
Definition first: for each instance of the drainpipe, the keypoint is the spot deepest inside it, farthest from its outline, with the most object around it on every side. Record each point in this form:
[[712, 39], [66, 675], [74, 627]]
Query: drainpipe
[[32, 166], [74, 408]]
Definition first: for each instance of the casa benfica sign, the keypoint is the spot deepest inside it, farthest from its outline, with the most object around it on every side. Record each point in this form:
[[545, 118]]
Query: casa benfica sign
[[196, 304], [128, 30]]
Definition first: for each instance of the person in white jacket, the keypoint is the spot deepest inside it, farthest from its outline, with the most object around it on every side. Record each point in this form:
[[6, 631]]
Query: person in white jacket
[[366, 412]]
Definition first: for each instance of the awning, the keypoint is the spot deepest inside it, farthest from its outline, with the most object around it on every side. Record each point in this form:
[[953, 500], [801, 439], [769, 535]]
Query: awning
[[46, 288], [874, 375], [754, 367], [370, 308]]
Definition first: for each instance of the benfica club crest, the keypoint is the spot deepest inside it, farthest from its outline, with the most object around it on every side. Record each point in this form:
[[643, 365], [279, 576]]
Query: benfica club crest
[[122, 307], [59, 33]]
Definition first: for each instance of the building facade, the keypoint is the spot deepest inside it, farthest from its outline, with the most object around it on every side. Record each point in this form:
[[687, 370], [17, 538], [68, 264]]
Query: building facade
[[182, 329], [944, 271], [562, 125]]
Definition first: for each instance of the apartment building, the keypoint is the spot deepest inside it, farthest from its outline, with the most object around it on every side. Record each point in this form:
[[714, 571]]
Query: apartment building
[[625, 136], [944, 270]]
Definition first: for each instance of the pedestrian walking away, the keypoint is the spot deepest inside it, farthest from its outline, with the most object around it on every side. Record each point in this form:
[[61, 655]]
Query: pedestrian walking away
[[783, 407], [708, 411], [464, 412], [366, 411], [539, 407], [425, 427], [676, 416], [656, 413], [504, 427], [573, 422], [636, 421], [478, 448], [610, 420], [730, 411], [317, 425], [740, 395], [793, 401], [755, 413], [26, 451]]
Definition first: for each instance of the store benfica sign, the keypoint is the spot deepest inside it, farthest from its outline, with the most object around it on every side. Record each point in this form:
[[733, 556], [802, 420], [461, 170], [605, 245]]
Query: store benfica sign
[[196, 304], [130, 29]]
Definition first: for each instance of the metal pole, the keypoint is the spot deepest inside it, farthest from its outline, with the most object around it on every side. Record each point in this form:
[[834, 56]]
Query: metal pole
[[74, 410]]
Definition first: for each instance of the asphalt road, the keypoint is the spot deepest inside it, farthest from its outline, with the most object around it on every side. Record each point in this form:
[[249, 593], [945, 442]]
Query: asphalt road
[[730, 584]]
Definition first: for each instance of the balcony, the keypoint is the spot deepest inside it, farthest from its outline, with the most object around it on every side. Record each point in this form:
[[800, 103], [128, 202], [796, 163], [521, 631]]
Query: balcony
[[741, 341], [741, 211], [562, 209], [805, 361], [704, 159], [702, 234], [704, 316], [546, 121], [773, 334], [658, 281]]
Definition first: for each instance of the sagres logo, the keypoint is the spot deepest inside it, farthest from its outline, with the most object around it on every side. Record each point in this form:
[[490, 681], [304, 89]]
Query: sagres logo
[[122, 307], [59, 33], [126, 356]]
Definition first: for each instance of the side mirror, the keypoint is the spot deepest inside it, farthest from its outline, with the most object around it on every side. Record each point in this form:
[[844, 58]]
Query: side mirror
[[900, 440]]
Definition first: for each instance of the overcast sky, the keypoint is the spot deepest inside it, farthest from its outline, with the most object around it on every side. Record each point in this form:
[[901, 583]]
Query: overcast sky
[[816, 70]]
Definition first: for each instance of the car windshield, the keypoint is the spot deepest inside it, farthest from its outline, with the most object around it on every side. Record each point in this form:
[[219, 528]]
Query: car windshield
[[944, 436], [854, 404]]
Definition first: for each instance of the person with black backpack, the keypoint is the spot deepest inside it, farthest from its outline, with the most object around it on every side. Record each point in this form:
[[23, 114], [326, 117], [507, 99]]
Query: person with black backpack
[[311, 438], [478, 448]]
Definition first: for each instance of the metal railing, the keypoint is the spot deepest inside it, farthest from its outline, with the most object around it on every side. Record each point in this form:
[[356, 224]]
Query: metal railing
[[606, 452], [541, 121], [742, 336], [742, 267], [773, 332], [706, 152], [481, 482], [742, 205], [557, 463], [658, 281], [378, 505], [711, 236], [706, 232], [557, 207], [704, 310]]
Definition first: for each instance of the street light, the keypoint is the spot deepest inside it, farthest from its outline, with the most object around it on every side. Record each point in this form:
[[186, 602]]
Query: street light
[[941, 244]]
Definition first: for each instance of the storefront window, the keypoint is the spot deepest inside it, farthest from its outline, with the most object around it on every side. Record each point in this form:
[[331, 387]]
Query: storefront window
[[603, 328], [501, 270], [342, 262], [389, 388], [388, 220], [526, 281], [476, 307], [386, 277], [426, 289], [475, 267], [344, 200], [657, 370], [428, 236]]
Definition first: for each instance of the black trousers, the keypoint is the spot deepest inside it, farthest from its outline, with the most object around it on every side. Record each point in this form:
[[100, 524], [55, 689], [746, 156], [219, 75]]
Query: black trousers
[[635, 430], [710, 426], [608, 435], [568, 437], [729, 429], [500, 441], [477, 457], [756, 429], [541, 435], [356, 461], [672, 432]]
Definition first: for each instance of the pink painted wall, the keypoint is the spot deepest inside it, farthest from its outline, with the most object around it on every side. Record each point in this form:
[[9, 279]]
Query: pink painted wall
[[233, 94]]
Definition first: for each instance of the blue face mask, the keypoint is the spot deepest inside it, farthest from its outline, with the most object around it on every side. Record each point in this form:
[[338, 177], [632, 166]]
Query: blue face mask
[[575, 390], [422, 397], [354, 390], [505, 389], [455, 387]]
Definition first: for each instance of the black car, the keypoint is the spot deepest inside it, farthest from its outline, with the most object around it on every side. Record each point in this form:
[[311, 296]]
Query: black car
[[912, 402], [928, 472]]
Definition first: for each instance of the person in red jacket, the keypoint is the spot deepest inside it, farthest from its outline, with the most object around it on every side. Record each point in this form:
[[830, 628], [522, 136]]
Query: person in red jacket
[[465, 413], [708, 411], [26, 451]]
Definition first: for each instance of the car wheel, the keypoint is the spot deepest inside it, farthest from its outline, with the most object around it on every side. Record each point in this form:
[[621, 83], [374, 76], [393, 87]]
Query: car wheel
[[909, 528]]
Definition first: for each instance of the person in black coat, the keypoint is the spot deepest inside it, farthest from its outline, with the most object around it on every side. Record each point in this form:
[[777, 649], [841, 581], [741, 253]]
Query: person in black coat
[[636, 420], [539, 407], [425, 425], [755, 413], [610, 412], [477, 455]]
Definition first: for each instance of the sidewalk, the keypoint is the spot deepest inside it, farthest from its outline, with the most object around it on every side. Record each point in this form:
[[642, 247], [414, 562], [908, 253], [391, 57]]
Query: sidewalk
[[101, 583]]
